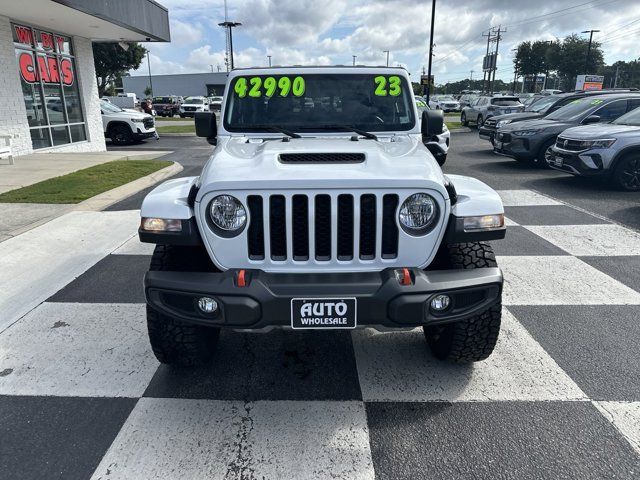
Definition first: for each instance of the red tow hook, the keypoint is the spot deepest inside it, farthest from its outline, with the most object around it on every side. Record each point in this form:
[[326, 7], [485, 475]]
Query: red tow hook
[[241, 279], [404, 276]]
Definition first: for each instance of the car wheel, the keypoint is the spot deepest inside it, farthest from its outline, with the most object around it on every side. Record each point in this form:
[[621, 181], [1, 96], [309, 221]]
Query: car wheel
[[543, 158], [174, 342], [479, 121], [473, 339], [181, 116], [171, 114], [121, 135], [626, 175], [463, 120]]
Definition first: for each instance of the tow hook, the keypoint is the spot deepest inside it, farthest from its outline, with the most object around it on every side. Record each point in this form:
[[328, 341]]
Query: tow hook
[[404, 276], [241, 278]]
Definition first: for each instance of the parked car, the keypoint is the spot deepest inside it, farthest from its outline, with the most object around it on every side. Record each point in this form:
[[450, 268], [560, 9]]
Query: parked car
[[532, 140], [215, 104], [446, 103], [611, 151], [467, 99], [125, 127], [167, 106], [544, 105], [443, 139], [550, 91], [486, 107], [191, 105], [299, 223]]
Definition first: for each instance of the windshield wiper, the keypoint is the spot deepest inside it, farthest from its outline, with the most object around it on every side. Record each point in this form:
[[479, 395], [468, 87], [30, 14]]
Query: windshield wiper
[[276, 128], [344, 128]]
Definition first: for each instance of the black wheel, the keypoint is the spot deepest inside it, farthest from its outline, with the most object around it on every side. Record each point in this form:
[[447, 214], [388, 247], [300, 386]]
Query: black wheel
[[543, 158], [463, 119], [181, 116], [121, 135], [172, 341], [626, 175], [171, 114], [479, 121], [473, 339]]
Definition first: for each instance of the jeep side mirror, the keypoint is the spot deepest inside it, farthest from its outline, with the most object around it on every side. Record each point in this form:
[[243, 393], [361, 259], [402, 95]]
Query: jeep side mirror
[[591, 119], [432, 123], [206, 126]]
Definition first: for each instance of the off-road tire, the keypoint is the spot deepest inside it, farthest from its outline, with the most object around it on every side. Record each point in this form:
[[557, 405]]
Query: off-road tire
[[626, 175], [121, 134], [174, 342], [473, 339], [463, 120]]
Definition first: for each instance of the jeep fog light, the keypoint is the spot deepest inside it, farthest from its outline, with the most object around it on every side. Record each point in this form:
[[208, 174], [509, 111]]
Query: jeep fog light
[[418, 213], [161, 224], [485, 222], [207, 305], [440, 303], [228, 213]]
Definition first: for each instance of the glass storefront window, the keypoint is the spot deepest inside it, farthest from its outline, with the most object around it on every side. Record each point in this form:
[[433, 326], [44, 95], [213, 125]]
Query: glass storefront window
[[50, 89]]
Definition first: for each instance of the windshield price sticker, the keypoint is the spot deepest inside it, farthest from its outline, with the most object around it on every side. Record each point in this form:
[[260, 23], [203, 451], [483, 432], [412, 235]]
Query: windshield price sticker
[[387, 86], [596, 102], [257, 87]]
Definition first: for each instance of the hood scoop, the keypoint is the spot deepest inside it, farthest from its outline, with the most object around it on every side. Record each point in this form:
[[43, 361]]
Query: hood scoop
[[316, 158]]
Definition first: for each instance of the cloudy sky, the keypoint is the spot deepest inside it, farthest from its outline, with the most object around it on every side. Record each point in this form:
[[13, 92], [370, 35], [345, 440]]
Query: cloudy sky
[[329, 32]]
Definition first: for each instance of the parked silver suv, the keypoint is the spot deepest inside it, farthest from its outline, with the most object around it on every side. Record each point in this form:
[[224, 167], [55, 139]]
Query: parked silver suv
[[611, 150], [487, 106]]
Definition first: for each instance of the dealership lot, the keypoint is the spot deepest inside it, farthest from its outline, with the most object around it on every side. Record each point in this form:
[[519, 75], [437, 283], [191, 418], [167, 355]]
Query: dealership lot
[[83, 397]]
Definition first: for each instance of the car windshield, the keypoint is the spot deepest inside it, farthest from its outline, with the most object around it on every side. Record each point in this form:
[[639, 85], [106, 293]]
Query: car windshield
[[110, 107], [319, 102], [161, 99], [505, 102], [447, 98], [631, 118], [193, 100], [542, 104], [575, 109]]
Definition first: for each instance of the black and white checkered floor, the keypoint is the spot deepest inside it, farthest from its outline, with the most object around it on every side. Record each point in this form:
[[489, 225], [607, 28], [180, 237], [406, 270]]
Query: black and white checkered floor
[[81, 395]]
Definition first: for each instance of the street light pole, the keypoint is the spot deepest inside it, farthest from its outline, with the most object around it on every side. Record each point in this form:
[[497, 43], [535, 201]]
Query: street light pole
[[211, 68], [387, 52], [269, 57], [354, 59], [586, 62], [149, 65], [433, 18]]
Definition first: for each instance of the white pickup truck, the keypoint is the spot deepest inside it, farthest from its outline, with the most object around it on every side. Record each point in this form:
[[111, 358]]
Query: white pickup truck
[[322, 208]]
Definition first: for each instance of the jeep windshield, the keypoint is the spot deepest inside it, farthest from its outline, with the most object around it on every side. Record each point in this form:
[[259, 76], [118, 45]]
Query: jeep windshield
[[319, 103], [632, 118]]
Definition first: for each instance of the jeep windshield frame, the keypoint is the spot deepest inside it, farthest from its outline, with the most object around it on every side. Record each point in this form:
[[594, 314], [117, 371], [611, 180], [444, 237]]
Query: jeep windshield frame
[[329, 102]]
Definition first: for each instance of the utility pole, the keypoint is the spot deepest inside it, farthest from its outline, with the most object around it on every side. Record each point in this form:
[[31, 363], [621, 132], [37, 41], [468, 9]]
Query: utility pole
[[497, 39], [149, 65], [471, 75], [354, 59], [387, 52], [586, 62], [484, 72], [546, 65], [269, 57], [615, 81], [433, 18]]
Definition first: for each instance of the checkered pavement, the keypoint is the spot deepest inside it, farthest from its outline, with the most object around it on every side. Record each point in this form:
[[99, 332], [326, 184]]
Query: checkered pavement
[[81, 395]]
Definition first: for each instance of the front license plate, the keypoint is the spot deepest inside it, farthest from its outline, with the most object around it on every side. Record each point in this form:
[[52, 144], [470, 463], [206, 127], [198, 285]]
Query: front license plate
[[558, 161], [324, 313], [499, 145]]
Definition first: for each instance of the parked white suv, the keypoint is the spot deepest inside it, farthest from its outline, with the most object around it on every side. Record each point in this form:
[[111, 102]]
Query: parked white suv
[[332, 216], [124, 127], [191, 105]]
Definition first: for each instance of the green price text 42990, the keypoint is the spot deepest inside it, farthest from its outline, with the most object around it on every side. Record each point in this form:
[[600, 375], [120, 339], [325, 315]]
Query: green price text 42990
[[257, 87]]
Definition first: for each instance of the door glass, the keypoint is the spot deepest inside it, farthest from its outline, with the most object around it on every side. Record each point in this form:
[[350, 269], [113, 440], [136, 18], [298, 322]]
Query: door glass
[[611, 111]]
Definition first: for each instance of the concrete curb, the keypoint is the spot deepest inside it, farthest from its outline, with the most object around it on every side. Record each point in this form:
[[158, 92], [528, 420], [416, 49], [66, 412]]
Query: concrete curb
[[106, 199], [176, 134]]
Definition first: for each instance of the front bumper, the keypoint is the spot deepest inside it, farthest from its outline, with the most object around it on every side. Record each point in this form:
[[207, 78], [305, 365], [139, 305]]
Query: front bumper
[[487, 133], [588, 164], [265, 300], [517, 147]]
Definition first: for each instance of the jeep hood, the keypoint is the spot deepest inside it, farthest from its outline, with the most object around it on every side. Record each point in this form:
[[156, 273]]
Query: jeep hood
[[238, 162], [588, 132]]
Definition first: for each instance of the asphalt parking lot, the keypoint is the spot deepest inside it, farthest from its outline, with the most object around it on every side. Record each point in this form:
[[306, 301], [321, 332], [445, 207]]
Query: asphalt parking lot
[[559, 398]]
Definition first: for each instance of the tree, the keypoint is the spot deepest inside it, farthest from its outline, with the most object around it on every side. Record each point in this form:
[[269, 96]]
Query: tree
[[148, 91], [573, 54], [112, 61]]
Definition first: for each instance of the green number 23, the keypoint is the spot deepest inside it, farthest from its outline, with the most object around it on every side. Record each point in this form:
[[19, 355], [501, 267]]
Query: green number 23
[[387, 86]]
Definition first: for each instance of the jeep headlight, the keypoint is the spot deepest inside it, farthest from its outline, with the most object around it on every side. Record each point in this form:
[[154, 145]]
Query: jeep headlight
[[227, 213], [502, 123], [418, 214]]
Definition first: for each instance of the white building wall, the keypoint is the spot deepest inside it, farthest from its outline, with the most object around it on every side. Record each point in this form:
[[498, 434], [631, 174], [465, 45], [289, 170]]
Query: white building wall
[[13, 115]]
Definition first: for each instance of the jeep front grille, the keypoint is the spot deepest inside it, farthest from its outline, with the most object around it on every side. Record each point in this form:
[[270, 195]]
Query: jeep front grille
[[322, 227]]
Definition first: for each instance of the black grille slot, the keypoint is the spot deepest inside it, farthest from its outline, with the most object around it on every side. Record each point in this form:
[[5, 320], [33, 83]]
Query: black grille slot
[[255, 234], [278, 228], [389, 226], [322, 157], [323, 227], [345, 227], [300, 227], [367, 227], [464, 300]]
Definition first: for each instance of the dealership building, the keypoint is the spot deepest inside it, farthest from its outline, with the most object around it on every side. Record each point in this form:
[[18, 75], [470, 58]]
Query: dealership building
[[183, 85], [49, 97]]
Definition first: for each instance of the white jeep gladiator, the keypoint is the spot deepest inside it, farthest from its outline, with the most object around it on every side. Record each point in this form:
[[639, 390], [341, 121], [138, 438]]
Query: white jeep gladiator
[[322, 207]]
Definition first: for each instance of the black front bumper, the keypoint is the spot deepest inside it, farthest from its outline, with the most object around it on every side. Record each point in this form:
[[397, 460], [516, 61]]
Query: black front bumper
[[571, 162], [265, 300], [487, 133], [518, 147]]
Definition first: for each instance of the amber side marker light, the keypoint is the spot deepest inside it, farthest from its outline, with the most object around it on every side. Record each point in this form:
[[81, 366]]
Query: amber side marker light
[[151, 224], [484, 222]]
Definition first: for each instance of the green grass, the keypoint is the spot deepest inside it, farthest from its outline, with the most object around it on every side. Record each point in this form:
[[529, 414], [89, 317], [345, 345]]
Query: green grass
[[173, 119], [176, 129], [78, 186], [453, 125]]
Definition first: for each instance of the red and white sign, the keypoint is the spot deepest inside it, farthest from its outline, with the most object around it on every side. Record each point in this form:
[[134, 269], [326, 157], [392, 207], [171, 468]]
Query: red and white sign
[[46, 69]]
